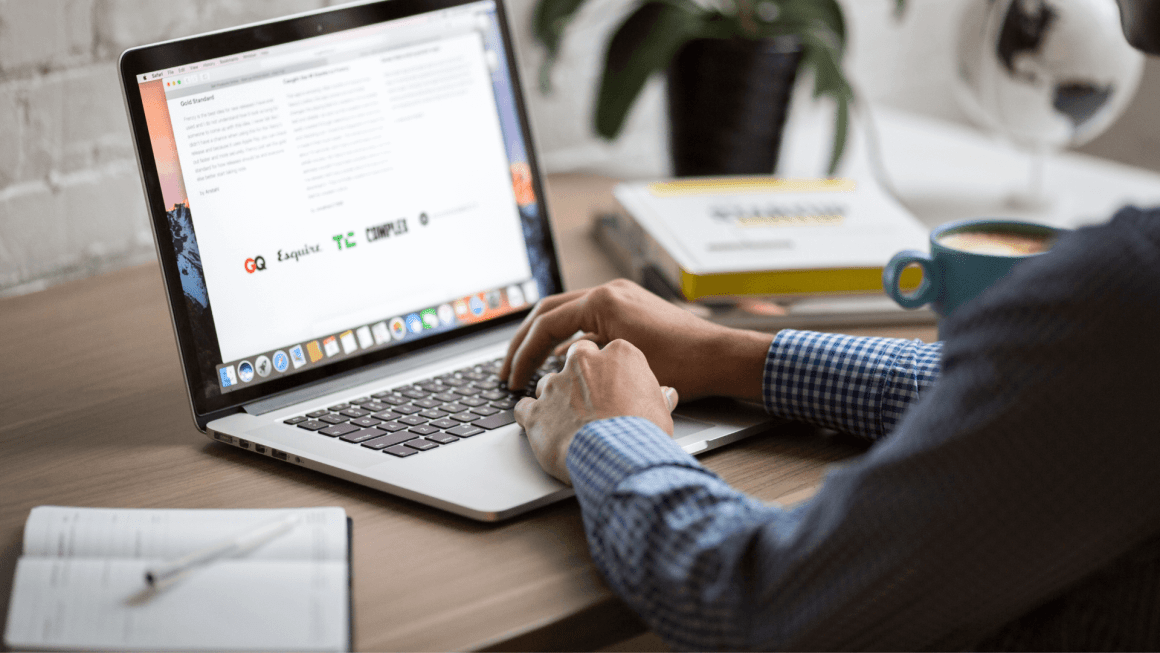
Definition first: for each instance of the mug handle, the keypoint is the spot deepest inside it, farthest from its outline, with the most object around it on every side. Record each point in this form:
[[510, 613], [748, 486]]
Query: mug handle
[[892, 276]]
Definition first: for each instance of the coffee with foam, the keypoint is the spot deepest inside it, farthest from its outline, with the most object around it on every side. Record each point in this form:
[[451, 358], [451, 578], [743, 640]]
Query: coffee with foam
[[999, 243]]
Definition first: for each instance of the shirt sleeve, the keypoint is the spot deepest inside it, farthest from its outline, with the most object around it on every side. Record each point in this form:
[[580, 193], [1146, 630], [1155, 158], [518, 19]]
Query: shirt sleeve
[[1029, 468], [853, 384]]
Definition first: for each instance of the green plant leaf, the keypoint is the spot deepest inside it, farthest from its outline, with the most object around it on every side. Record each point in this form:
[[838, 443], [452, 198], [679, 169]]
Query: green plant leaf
[[549, 20], [644, 44], [841, 129]]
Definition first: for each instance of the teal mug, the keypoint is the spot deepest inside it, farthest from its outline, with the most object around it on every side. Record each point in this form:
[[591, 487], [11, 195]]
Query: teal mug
[[965, 258]]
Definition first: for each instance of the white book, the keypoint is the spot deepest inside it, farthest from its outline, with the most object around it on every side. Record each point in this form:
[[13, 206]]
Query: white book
[[724, 236], [81, 582]]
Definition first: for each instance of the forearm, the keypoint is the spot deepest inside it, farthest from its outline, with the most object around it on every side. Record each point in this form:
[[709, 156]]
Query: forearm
[[858, 385], [669, 536]]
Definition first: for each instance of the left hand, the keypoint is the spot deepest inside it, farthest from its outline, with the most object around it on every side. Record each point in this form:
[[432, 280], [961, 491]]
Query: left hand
[[595, 384]]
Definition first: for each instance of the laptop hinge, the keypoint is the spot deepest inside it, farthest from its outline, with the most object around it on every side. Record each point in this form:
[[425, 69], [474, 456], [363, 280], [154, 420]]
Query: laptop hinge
[[404, 363]]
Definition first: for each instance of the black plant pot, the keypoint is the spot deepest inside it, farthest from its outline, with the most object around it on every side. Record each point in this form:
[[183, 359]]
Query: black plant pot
[[728, 101]]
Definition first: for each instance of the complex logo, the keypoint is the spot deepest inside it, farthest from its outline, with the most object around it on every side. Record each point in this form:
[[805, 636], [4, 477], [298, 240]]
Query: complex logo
[[297, 254], [381, 333], [349, 344], [446, 314], [330, 345], [314, 350], [255, 264], [228, 377], [430, 318], [262, 365], [477, 306], [386, 230]]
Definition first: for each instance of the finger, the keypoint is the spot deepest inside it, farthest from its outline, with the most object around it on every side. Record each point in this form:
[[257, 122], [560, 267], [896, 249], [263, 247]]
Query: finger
[[671, 397], [543, 383], [544, 305], [580, 345], [563, 348], [548, 330], [523, 411]]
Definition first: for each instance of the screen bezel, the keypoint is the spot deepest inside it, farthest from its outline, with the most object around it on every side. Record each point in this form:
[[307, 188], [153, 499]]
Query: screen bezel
[[171, 54]]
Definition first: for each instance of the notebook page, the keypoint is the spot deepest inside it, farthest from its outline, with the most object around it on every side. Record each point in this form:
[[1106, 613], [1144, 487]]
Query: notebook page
[[69, 603], [129, 533]]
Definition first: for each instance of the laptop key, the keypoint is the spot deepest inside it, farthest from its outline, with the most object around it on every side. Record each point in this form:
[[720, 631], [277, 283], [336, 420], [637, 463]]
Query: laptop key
[[485, 410], [339, 407], [432, 413], [454, 382], [442, 438], [339, 429], [444, 423], [485, 385], [412, 420], [294, 420], [385, 414], [430, 386], [360, 401], [318, 413], [384, 393], [391, 426], [355, 412], [465, 430], [400, 451], [420, 444], [312, 425], [393, 399], [453, 407], [505, 404], [389, 440], [427, 403], [423, 429], [446, 396], [495, 421], [333, 419], [407, 410], [465, 417], [362, 436], [466, 391], [366, 422], [472, 401], [494, 395], [415, 393], [375, 406]]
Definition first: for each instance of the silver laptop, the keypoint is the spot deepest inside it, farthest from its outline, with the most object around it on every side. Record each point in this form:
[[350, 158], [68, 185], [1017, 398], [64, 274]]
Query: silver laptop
[[351, 225]]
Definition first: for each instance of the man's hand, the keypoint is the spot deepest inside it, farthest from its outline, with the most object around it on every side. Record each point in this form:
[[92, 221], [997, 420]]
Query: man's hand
[[694, 356], [595, 384]]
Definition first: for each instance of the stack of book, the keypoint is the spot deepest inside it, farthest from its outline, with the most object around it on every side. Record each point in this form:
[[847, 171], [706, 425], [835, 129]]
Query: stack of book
[[763, 252]]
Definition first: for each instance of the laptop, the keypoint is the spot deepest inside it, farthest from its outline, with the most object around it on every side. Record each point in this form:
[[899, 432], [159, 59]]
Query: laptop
[[351, 225]]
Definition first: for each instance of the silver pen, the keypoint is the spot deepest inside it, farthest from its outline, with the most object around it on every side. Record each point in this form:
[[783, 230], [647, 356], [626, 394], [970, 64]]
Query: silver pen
[[233, 546]]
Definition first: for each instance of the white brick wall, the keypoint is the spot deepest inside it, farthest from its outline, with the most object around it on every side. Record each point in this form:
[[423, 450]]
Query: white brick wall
[[70, 196], [70, 199]]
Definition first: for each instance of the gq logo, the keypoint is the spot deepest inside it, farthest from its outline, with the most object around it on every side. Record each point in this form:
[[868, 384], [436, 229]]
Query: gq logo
[[255, 264]]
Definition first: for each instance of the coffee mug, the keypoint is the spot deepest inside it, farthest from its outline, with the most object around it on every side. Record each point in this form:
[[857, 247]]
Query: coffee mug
[[965, 258]]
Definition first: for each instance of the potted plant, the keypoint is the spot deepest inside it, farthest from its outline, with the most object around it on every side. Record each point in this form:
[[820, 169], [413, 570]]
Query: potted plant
[[730, 66]]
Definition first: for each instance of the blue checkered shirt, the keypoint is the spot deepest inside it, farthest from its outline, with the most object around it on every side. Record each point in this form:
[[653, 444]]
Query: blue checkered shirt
[[1013, 505]]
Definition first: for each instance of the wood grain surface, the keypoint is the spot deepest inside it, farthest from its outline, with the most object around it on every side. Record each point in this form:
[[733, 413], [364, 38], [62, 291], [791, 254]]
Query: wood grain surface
[[93, 412]]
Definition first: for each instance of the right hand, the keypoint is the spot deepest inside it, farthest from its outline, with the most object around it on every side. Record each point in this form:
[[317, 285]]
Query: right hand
[[692, 355]]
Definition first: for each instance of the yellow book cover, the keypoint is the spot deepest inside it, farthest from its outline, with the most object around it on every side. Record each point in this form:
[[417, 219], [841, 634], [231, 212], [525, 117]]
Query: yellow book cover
[[723, 236]]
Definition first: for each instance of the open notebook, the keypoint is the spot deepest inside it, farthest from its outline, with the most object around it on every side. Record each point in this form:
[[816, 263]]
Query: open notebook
[[80, 582]]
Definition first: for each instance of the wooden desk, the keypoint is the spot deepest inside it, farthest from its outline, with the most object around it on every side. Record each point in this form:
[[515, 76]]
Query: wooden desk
[[93, 412]]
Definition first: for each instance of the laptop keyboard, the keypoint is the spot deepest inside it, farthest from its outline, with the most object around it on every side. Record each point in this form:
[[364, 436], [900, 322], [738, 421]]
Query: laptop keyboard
[[427, 414]]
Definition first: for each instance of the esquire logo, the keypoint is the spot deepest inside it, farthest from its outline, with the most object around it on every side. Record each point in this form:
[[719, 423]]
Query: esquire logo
[[255, 264], [297, 254]]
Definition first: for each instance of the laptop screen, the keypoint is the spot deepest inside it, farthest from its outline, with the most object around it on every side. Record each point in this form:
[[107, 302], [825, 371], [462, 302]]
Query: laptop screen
[[346, 194]]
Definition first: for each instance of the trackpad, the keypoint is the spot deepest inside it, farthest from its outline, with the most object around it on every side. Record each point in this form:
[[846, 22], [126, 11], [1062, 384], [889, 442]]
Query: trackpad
[[685, 426]]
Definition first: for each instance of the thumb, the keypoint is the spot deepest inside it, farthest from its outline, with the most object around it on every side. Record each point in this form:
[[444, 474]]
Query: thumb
[[671, 397]]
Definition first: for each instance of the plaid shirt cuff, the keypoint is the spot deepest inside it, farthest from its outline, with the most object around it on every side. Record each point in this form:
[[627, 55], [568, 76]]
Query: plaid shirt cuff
[[607, 451], [854, 384]]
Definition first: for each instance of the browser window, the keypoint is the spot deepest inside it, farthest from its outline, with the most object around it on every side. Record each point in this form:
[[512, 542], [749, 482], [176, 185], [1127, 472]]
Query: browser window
[[345, 193]]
